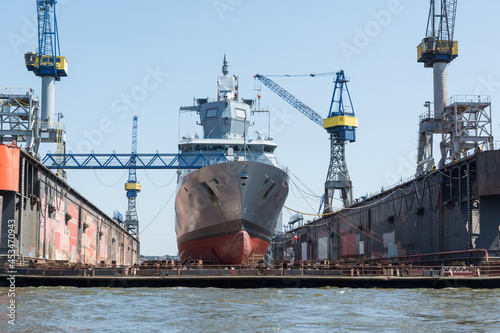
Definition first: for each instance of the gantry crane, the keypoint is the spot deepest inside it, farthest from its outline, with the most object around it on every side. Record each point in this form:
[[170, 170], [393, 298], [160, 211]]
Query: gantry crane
[[341, 123], [436, 51], [132, 187]]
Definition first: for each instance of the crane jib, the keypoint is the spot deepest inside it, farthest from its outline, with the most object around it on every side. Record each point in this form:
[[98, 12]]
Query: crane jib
[[292, 100]]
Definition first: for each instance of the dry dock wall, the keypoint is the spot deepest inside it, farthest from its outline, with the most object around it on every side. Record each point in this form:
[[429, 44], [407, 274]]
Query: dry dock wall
[[252, 282], [454, 211], [50, 220]]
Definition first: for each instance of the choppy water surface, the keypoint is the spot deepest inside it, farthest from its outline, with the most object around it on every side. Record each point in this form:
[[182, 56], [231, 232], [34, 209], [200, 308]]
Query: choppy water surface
[[65, 309]]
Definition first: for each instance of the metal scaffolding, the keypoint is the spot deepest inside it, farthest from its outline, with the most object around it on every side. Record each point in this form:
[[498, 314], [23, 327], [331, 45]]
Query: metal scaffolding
[[19, 109], [467, 127]]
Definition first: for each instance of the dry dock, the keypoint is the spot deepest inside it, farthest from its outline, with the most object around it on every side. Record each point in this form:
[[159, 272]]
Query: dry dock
[[295, 276], [254, 282], [43, 218]]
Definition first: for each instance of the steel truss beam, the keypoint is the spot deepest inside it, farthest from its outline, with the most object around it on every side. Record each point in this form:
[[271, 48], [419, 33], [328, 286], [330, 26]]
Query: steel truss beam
[[125, 161]]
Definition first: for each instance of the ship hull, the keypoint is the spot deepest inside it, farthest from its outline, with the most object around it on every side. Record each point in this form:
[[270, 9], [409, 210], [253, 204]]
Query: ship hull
[[227, 212]]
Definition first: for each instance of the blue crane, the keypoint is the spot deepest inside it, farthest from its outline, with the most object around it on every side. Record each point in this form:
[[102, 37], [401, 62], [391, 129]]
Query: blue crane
[[48, 64], [436, 51], [132, 187], [47, 61], [438, 45], [341, 123]]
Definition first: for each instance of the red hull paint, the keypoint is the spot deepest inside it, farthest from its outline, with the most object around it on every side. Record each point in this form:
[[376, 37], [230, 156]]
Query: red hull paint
[[9, 168], [232, 249]]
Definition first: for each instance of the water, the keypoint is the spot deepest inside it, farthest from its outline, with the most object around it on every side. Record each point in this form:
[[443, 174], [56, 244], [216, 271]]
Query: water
[[68, 309]]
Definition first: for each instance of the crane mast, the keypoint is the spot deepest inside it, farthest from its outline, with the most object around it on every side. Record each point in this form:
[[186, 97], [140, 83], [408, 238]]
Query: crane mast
[[341, 123], [436, 51], [132, 187], [48, 64], [438, 48]]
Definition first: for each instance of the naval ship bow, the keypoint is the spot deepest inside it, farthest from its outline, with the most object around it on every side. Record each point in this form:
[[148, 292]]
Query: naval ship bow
[[227, 212]]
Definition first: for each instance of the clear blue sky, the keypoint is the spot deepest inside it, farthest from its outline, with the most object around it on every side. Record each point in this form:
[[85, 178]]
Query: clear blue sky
[[161, 54]]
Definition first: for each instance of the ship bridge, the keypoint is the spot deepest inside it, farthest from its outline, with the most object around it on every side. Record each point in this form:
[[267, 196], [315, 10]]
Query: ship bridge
[[260, 149], [225, 117]]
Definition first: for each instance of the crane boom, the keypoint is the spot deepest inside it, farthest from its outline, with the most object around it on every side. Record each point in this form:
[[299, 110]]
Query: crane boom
[[442, 25], [451, 8], [304, 109]]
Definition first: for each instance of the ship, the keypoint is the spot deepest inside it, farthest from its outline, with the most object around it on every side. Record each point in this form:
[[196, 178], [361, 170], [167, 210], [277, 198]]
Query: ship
[[226, 212]]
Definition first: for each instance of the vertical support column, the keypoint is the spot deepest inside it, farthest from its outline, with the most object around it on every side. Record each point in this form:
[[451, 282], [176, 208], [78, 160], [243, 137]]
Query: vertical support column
[[440, 74], [22, 205], [469, 212], [38, 185], [137, 251], [338, 175], [122, 249], [331, 244], [43, 208], [81, 221], [48, 98], [440, 88], [368, 251], [98, 224]]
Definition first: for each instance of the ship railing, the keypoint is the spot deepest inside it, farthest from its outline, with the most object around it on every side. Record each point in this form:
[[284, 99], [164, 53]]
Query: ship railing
[[54, 125], [427, 115], [282, 166], [388, 188], [398, 183], [472, 99]]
